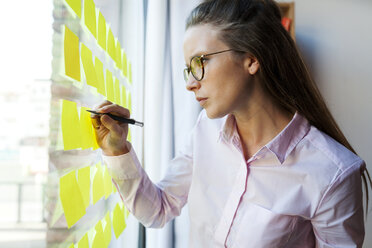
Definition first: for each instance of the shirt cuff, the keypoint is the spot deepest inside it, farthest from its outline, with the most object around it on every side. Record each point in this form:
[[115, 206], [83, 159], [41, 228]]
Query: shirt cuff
[[123, 167]]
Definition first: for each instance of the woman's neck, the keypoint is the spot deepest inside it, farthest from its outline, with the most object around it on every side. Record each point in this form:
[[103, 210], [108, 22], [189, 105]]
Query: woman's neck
[[259, 124]]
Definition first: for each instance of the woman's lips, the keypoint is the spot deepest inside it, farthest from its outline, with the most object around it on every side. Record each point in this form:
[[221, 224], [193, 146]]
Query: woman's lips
[[201, 100]]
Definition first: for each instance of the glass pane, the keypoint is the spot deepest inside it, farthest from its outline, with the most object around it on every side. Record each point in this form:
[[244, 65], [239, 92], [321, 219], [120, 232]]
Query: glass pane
[[33, 84], [26, 55]]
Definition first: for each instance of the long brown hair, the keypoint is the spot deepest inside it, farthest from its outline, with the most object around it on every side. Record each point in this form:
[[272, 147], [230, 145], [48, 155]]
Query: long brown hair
[[255, 26]]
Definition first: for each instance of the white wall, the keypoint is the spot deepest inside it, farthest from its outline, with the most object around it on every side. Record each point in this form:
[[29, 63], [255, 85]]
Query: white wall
[[335, 37]]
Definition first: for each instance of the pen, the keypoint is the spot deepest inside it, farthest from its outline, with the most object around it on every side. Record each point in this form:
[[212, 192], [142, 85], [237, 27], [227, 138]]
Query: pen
[[118, 118]]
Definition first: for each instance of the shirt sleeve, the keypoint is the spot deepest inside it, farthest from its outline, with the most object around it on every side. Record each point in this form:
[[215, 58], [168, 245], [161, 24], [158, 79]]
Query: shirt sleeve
[[152, 204], [338, 221]]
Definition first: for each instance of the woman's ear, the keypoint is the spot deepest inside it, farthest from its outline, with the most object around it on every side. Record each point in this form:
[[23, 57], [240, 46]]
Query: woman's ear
[[251, 65]]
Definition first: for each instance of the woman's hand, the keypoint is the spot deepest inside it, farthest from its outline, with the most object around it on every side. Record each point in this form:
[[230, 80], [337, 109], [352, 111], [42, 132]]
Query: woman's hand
[[111, 135]]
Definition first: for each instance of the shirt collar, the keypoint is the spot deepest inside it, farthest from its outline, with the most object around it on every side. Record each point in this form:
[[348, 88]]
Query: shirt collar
[[282, 144], [228, 128]]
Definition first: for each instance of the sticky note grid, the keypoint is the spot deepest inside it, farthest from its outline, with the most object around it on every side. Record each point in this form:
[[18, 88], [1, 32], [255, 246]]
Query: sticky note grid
[[94, 59], [78, 189], [82, 65], [95, 23], [79, 60]]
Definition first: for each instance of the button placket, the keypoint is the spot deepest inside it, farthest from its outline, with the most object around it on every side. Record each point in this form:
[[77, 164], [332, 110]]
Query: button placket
[[231, 206], [241, 195]]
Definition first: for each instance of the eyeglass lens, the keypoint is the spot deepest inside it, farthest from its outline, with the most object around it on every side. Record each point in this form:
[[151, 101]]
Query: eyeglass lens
[[196, 69]]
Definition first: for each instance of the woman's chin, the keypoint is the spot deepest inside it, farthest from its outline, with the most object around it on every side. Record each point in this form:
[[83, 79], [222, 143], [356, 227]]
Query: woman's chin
[[214, 114]]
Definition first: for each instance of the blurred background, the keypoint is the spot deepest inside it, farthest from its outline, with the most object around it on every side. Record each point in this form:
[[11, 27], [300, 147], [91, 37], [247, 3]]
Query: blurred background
[[25, 60], [333, 35]]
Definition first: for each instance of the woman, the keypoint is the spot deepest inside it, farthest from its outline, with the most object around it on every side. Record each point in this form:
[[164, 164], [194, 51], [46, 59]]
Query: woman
[[266, 164]]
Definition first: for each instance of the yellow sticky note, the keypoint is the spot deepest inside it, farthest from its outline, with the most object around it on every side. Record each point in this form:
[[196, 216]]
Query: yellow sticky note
[[118, 54], [71, 54], [84, 184], [71, 198], [95, 144], [87, 132], [98, 65], [107, 230], [75, 6], [123, 97], [84, 243], [130, 72], [90, 16], [111, 44], [117, 92], [71, 246], [87, 60], [114, 52], [107, 181], [125, 65], [70, 126], [98, 241], [110, 87], [102, 35], [129, 101], [129, 135], [118, 221], [98, 190]]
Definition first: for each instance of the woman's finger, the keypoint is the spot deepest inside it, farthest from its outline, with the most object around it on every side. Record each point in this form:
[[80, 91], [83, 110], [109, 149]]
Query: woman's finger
[[111, 124], [104, 103], [115, 109]]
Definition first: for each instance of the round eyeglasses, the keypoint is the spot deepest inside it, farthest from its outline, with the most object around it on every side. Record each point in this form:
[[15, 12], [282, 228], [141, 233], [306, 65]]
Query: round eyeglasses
[[197, 66]]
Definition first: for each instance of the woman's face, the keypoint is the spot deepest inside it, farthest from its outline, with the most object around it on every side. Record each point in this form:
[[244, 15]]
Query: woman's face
[[227, 84]]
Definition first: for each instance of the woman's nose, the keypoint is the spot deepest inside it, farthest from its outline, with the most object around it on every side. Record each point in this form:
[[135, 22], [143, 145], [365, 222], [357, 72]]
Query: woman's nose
[[192, 83]]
